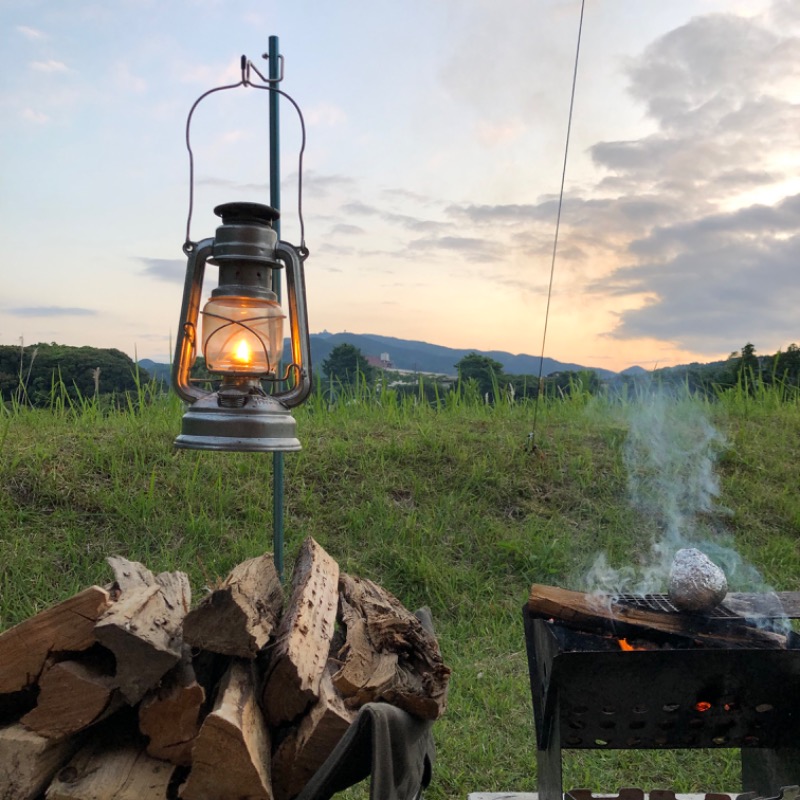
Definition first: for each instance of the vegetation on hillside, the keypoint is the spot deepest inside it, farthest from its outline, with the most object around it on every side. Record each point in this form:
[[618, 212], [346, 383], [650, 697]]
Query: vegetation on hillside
[[444, 503], [30, 374], [35, 375]]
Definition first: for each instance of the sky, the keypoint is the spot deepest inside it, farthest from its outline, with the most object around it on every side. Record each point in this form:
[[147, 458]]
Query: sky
[[435, 142]]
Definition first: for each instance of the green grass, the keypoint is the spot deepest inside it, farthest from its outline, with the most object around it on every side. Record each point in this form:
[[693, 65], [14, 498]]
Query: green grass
[[447, 507]]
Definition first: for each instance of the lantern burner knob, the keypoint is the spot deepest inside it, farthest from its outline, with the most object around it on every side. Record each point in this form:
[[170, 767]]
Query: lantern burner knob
[[247, 214]]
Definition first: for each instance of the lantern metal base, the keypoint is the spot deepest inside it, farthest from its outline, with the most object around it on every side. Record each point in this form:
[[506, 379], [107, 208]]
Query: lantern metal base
[[263, 425]]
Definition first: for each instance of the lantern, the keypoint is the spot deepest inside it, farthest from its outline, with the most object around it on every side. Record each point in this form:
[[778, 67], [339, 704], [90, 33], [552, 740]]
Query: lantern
[[240, 333]]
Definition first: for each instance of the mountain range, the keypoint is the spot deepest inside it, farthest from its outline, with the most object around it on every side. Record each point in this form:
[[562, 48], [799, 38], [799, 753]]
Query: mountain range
[[415, 356]]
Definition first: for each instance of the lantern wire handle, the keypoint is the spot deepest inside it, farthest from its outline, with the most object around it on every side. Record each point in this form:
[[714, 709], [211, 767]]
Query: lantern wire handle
[[246, 66]]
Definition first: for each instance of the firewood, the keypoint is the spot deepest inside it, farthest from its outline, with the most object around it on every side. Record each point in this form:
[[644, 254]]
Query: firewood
[[68, 626], [170, 715], [231, 755], [28, 761], [143, 628], [305, 749], [603, 614], [303, 638], [238, 618], [73, 695], [112, 766], [388, 654]]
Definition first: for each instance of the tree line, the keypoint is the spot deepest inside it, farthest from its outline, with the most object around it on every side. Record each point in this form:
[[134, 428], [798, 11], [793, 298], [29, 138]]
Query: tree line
[[743, 369], [30, 375]]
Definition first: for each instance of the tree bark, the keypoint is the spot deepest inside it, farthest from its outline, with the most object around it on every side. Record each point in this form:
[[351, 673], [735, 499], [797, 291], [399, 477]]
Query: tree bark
[[73, 695], [143, 628], [28, 761], [388, 654], [170, 715], [304, 636], [67, 626], [112, 766], [238, 618], [231, 755], [305, 749]]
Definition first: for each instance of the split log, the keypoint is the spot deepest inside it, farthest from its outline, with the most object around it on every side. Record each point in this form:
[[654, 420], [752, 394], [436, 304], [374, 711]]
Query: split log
[[603, 614], [170, 715], [68, 626], [238, 618], [73, 695], [112, 768], [305, 749], [231, 755], [28, 761], [143, 628], [388, 654], [304, 636]]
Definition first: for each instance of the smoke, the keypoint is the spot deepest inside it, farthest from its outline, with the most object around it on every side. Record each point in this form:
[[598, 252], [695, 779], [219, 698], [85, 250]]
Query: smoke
[[671, 454]]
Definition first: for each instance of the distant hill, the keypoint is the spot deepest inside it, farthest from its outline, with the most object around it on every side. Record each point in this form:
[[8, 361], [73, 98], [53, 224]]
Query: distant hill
[[424, 357], [158, 371], [411, 355]]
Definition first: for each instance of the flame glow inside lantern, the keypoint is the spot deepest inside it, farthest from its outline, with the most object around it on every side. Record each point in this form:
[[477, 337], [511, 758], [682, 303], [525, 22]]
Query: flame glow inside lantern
[[241, 338], [242, 335]]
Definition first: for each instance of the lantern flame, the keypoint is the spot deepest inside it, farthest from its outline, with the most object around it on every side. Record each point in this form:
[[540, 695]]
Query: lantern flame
[[243, 354]]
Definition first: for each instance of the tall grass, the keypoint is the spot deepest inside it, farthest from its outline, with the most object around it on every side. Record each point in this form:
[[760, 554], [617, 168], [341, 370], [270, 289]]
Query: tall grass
[[443, 503]]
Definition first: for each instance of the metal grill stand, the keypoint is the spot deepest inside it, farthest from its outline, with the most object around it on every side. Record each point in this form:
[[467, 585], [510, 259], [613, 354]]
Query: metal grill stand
[[589, 694]]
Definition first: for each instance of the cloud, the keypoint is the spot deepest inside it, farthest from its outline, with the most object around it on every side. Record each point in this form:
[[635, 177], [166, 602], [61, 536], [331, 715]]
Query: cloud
[[124, 78], [494, 133], [323, 185], [705, 262], [172, 270], [238, 186], [30, 33], [347, 230], [466, 247], [715, 282], [416, 223], [31, 115], [357, 208], [325, 114], [51, 311], [51, 65]]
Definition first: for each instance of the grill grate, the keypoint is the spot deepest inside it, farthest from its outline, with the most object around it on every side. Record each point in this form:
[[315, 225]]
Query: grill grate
[[662, 603]]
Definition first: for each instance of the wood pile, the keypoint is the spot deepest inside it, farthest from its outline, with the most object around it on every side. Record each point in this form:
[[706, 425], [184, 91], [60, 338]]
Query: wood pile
[[123, 692]]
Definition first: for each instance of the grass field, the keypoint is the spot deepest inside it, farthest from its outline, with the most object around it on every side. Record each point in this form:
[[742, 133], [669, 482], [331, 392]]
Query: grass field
[[445, 506]]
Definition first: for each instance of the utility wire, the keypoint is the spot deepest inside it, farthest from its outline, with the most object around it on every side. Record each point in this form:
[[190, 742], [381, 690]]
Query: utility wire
[[540, 387]]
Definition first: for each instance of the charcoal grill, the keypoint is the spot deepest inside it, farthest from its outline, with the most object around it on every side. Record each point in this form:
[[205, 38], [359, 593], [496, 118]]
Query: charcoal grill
[[590, 694]]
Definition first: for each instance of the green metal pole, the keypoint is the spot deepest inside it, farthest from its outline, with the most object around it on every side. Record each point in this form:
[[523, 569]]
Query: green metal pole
[[275, 202]]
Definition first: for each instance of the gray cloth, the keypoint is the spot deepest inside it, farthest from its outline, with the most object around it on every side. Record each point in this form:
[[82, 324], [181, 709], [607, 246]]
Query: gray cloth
[[394, 747], [384, 741]]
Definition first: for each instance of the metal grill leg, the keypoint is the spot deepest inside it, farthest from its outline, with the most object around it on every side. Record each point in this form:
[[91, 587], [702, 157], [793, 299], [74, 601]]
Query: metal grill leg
[[548, 763], [766, 771]]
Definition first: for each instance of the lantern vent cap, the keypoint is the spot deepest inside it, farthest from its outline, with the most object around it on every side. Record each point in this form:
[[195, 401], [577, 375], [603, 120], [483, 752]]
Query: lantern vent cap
[[242, 213]]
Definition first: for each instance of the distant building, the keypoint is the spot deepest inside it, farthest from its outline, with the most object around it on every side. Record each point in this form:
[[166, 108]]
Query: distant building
[[380, 362]]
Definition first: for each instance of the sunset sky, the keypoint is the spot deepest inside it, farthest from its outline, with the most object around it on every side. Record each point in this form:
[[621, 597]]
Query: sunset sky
[[436, 133]]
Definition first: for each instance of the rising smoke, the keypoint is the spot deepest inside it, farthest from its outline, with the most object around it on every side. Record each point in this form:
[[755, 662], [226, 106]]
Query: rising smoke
[[670, 454]]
